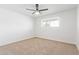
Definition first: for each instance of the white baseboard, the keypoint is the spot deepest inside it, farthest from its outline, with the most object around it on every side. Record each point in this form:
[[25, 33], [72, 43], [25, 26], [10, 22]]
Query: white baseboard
[[19, 39], [45, 37], [39, 36]]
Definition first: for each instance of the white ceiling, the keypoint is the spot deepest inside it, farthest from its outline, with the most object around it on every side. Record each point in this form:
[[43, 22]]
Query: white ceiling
[[52, 8]]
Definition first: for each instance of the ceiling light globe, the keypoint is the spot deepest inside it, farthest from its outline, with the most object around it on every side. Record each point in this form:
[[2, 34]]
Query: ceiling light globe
[[37, 13]]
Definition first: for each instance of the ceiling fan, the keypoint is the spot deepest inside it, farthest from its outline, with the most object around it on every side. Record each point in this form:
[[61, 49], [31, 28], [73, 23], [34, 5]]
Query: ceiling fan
[[37, 10]]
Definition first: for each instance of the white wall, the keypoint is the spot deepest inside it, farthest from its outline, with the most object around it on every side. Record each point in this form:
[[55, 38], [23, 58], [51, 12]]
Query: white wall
[[67, 30], [78, 27], [14, 26]]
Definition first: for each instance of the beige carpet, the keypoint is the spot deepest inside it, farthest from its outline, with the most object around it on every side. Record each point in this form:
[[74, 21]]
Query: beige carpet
[[39, 46]]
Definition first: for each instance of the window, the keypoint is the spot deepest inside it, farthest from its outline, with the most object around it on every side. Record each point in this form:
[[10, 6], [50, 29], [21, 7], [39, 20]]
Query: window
[[53, 22]]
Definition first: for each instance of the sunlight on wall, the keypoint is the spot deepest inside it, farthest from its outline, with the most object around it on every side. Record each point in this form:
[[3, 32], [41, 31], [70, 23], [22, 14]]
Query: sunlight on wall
[[52, 22]]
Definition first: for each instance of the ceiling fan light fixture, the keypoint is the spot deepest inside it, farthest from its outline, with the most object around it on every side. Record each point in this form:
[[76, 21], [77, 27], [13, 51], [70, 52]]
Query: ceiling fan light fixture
[[36, 13]]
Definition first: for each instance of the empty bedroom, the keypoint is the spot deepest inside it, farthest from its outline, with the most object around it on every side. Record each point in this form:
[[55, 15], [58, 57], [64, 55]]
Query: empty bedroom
[[39, 29]]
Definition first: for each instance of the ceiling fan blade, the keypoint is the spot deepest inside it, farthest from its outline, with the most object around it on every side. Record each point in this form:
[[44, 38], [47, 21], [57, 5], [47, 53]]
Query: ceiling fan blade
[[37, 6], [43, 10], [30, 9]]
